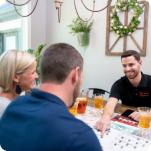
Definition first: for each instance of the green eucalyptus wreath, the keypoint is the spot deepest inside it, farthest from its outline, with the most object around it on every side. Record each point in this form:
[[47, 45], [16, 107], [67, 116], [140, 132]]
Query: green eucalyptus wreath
[[125, 5]]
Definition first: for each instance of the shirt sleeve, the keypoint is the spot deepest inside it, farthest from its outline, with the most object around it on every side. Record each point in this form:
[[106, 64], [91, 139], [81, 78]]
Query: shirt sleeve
[[115, 90], [86, 141]]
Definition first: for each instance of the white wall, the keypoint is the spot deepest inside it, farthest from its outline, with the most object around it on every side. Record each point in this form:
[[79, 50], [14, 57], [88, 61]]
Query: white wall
[[37, 24], [99, 70]]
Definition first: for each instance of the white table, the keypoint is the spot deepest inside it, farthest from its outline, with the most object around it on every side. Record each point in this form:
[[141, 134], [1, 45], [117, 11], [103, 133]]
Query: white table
[[120, 137], [1, 149]]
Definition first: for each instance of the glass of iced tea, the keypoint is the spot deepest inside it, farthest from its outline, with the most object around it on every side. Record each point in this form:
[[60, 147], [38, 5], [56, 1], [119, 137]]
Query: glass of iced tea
[[82, 101], [98, 101], [82, 104], [145, 117], [73, 109]]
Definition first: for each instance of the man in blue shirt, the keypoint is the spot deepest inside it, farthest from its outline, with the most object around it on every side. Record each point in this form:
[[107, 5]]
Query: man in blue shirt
[[41, 121]]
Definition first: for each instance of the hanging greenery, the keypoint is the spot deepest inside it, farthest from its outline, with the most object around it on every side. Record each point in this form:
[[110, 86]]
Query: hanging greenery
[[125, 5], [81, 29], [37, 53], [79, 25]]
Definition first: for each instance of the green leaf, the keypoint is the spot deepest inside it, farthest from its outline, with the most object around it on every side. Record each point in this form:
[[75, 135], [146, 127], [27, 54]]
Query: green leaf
[[78, 25]]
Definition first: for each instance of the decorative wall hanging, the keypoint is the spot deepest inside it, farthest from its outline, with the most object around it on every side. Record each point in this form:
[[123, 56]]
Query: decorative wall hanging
[[82, 30], [58, 4], [132, 32], [20, 4], [92, 9]]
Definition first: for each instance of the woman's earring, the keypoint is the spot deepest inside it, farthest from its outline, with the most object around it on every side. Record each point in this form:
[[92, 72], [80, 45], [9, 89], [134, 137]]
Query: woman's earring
[[18, 89]]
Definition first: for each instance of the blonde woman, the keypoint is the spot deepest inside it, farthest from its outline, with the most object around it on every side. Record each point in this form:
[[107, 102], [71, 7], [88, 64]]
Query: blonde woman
[[17, 74]]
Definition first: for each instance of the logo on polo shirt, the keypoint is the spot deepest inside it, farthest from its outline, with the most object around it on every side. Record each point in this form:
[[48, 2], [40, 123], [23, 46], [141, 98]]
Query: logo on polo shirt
[[144, 94]]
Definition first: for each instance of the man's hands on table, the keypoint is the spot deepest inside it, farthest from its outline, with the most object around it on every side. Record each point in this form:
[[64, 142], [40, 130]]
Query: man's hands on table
[[135, 115], [103, 124]]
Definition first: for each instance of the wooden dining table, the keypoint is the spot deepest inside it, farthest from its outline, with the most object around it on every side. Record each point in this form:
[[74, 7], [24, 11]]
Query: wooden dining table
[[120, 108]]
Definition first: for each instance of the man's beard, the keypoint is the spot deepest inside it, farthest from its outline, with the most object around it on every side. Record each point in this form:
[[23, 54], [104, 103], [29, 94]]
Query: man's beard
[[76, 93], [133, 76]]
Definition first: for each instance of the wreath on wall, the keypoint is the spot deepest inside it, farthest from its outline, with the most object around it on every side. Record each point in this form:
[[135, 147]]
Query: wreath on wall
[[125, 5]]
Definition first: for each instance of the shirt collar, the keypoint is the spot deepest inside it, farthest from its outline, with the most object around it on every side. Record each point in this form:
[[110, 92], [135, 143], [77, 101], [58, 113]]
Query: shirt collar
[[47, 96], [141, 83]]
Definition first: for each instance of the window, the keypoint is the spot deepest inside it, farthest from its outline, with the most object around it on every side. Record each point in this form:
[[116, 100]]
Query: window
[[11, 28]]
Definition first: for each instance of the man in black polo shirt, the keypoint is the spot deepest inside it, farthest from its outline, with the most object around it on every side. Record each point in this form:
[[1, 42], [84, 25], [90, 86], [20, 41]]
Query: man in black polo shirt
[[133, 95], [134, 89]]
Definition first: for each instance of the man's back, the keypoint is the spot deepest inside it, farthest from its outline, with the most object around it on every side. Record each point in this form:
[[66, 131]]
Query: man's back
[[41, 122]]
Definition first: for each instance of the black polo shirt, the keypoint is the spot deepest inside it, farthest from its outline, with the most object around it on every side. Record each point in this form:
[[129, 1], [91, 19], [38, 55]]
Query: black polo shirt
[[123, 90]]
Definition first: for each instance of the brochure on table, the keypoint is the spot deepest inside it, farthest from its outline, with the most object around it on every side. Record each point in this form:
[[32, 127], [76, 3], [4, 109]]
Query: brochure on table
[[120, 136]]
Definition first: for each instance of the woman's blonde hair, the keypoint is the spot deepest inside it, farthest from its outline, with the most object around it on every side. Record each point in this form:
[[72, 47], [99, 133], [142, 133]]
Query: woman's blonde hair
[[11, 63]]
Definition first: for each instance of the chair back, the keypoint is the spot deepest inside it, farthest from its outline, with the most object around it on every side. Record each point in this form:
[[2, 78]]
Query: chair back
[[97, 91]]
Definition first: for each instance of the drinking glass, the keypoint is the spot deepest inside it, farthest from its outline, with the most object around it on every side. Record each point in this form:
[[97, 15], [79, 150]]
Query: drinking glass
[[145, 117], [73, 109], [144, 122], [82, 101], [98, 101]]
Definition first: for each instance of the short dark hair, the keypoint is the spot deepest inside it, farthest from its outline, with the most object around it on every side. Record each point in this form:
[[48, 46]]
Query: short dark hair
[[57, 61], [133, 53]]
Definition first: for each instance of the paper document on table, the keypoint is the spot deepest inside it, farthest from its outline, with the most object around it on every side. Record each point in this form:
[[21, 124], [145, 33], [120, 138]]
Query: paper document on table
[[125, 120], [119, 140], [1, 149], [120, 137]]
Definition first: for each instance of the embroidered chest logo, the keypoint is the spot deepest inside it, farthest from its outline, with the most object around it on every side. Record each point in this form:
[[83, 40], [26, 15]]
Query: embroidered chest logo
[[142, 94]]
